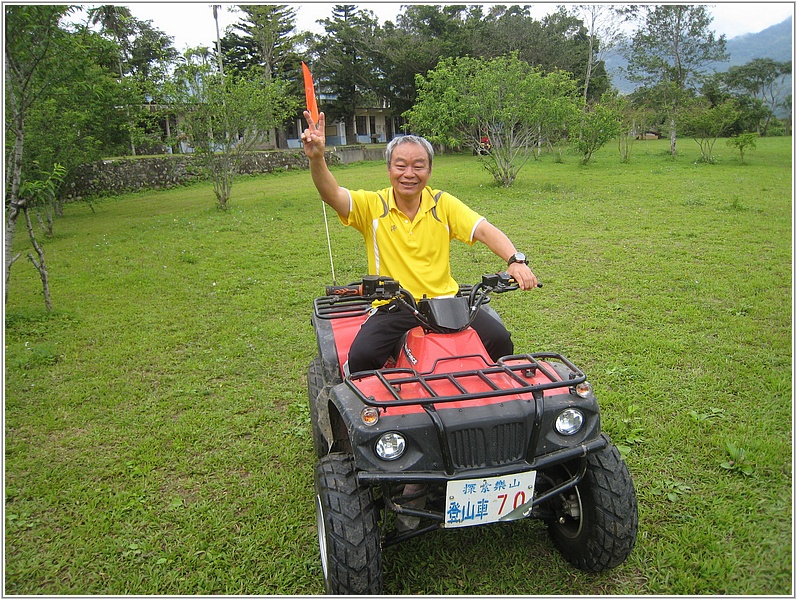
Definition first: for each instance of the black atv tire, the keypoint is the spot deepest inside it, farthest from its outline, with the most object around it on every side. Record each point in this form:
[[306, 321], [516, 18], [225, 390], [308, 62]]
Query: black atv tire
[[348, 530], [604, 535], [315, 389]]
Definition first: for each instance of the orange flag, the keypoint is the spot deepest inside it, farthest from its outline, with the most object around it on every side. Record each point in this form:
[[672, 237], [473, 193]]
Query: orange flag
[[309, 93]]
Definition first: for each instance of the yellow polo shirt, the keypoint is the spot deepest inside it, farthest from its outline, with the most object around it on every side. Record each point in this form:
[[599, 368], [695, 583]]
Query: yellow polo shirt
[[416, 253]]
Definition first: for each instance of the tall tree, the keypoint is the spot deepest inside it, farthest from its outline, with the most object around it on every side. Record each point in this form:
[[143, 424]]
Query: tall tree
[[115, 21], [504, 30], [670, 49], [34, 63], [604, 33], [423, 36], [152, 56], [82, 118], [344, 65], [762, 79], [450, 26], [143, 57], [558, 42], [262, 39]]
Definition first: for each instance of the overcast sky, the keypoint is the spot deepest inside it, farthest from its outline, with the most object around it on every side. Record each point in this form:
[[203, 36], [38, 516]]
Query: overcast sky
[[191, 23]]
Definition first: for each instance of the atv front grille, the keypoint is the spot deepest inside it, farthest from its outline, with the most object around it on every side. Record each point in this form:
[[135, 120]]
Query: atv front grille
[[468, 448], [476, 447]]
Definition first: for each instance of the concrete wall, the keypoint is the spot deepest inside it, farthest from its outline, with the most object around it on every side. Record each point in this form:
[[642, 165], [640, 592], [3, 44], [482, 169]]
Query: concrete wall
[[352, 154]]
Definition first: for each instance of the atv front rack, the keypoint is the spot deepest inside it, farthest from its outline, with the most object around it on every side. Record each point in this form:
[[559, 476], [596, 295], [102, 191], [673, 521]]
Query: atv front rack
[[511, 376]]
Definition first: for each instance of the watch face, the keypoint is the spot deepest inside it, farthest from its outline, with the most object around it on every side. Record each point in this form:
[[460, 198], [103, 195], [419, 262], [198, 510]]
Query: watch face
[[519, 257]]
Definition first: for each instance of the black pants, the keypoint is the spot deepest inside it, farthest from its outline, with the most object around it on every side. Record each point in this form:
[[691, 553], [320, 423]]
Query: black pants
[[382, 331]]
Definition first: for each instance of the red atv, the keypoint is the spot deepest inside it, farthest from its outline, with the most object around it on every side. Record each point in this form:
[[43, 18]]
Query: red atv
[[443, 437]]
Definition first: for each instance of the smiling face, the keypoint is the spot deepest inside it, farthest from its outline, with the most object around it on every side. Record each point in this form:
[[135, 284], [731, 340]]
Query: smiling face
[[409, 171]]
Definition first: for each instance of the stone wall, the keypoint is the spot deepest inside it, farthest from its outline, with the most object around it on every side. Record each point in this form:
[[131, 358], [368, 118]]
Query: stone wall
[[133, 174]]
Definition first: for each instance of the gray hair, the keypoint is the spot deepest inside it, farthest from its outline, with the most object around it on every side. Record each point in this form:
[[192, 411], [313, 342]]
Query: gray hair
[[409, 139]]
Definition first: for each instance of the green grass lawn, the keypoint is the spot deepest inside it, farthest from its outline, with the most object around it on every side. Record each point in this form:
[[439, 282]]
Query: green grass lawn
[[157, 434]]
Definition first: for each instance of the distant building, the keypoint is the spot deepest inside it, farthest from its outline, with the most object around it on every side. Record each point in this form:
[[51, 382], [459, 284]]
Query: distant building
[[372, 126]]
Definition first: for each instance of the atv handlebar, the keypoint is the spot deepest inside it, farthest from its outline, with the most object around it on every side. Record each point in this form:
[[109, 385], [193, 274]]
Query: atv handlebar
[[386, 288], [374, 287], [498, 283]]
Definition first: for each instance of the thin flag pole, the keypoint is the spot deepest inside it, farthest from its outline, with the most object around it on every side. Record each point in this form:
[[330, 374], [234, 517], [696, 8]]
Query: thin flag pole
[[329, 243]]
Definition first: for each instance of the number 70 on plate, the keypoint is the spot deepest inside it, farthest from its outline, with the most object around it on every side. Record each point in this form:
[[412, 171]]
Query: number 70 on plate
[[486, 500]]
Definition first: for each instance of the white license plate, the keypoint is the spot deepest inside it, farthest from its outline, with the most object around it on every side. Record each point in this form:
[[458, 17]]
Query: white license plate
[[487, 500]]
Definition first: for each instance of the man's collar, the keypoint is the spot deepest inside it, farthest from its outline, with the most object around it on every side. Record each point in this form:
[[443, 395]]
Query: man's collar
[[427, 200]]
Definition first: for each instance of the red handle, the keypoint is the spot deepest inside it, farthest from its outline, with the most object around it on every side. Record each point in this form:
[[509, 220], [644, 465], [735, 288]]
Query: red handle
[[344, 290]]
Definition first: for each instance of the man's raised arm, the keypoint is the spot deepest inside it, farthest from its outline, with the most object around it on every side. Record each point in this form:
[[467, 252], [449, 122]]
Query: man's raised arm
[[314, 143]]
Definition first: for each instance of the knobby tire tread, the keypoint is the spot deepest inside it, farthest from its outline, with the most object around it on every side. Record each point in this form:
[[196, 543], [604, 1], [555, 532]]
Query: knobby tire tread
[[352, 531], [610, 529]]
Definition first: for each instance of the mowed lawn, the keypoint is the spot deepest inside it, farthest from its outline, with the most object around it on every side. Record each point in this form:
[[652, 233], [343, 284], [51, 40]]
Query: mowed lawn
[[157, 435]]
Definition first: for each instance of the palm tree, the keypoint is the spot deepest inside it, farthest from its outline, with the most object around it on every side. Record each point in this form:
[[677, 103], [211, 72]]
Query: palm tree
[[114, 20], [216, 8]]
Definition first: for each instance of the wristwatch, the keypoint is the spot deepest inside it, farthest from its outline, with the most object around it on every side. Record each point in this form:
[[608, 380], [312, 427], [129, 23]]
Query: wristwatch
[[517, 257]]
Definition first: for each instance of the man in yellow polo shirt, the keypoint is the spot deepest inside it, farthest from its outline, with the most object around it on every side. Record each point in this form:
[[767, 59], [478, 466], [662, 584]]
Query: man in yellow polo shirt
[[407, 230]]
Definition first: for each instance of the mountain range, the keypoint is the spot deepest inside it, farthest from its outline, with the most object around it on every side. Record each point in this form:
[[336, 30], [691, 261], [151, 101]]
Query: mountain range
[[774, 42]]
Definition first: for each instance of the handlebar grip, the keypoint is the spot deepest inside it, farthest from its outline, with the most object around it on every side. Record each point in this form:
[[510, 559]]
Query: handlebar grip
[[503, 282], [344, 290], [512, 283]]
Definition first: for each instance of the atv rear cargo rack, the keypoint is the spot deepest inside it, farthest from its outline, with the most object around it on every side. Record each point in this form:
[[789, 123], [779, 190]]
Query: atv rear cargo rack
[[502, 379]]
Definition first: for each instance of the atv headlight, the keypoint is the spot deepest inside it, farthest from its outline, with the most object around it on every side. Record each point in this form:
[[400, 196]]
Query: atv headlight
[[569, 421], [390, 446]]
